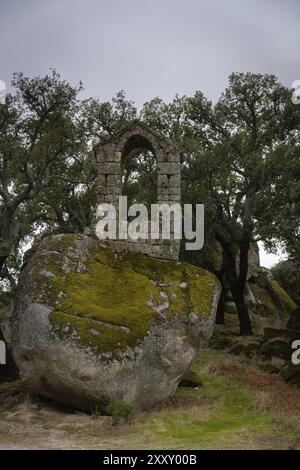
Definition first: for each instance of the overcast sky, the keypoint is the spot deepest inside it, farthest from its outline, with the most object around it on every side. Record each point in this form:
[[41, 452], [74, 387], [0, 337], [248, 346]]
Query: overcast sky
[[150, 47]]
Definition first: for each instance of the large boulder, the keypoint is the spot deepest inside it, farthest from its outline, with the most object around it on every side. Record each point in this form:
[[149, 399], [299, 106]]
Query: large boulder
[[287, 273], [253, 260], [271, 300], [92, 326], [279, 343]]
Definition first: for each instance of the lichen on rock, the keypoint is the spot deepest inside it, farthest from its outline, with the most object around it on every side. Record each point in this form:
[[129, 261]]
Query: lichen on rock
[[92, 325], [271, 299]]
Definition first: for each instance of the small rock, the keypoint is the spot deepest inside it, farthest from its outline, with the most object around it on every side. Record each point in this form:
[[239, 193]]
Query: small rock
[[230, 307], [95, 332], [193, 317]]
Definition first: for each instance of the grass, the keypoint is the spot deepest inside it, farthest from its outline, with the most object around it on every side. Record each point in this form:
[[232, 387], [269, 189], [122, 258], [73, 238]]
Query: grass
[[237, 407], [215, 414]]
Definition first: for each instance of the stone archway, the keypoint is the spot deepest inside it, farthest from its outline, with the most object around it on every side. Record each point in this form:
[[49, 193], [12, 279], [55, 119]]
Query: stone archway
[[139, 171], [109, 185]]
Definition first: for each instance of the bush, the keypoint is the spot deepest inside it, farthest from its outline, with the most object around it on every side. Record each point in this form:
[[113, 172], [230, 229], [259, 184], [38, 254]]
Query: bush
[[121, 412], [96, 412]]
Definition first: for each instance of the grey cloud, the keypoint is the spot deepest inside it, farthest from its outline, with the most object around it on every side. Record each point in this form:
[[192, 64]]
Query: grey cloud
[[150, 48]]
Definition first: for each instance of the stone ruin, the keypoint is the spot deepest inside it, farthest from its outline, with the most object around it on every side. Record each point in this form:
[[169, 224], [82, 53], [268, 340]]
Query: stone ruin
[[111, 154]]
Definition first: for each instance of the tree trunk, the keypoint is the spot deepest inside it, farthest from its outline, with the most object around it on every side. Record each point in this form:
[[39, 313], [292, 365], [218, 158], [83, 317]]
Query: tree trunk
[[243, 314], [237, 280], [245, 324], [220, 318]]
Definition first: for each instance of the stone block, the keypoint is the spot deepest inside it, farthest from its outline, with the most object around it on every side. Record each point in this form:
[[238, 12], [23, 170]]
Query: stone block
[[109, 168], [161, 156], [173, 157], [174, 191], [102, 189], [169, 168], [114, 180], [175, 181], [174, 198]]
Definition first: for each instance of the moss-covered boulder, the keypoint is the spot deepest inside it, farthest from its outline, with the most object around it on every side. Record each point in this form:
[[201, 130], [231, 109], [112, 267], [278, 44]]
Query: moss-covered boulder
[[271, 299], [287, 273], [263, 277], [265, 305], [93, 326], [278, 342], [281, 298]]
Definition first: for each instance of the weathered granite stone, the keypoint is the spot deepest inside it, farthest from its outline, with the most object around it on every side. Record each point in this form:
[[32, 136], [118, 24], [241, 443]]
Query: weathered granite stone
[[92, 325]]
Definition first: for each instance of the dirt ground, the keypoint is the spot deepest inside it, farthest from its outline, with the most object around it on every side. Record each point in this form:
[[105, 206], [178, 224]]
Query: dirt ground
[[237, 407]]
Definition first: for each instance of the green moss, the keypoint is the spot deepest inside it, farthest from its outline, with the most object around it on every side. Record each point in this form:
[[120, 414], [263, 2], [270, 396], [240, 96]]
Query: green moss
[[281, 297], [202, 286], [109, 299], [271, 298], [191, 379], [215, 256], [5, 386], [266, 305], [115, 296]]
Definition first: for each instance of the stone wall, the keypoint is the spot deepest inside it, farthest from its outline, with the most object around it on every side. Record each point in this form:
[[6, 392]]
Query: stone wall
[[109, 186]]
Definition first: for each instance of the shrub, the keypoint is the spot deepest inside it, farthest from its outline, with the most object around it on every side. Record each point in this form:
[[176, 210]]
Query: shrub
[[96, 412], [121, 412]]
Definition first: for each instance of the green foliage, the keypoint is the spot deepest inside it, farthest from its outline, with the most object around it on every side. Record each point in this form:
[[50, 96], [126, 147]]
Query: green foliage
[[241, 159], [243, 144], [39, 138], [121, 412], [96, 412]]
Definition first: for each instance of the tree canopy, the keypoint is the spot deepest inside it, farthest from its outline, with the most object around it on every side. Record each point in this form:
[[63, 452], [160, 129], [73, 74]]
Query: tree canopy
[[241, 159]]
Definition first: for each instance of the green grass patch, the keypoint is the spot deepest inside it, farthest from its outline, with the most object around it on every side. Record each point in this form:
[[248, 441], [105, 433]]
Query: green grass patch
[[219, 414]]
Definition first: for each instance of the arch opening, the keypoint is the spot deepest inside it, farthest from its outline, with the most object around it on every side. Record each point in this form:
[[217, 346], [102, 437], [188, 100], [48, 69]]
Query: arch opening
[[139, 171]]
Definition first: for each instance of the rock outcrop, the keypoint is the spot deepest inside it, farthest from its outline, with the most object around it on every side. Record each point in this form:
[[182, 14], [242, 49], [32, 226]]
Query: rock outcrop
[[287, 273], [280, 343], [92, 326], [271, 300]]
